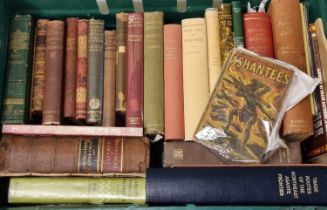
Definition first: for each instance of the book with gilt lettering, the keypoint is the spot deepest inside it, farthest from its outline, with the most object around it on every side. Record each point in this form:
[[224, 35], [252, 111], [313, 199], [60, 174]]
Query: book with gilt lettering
[[246, 105]]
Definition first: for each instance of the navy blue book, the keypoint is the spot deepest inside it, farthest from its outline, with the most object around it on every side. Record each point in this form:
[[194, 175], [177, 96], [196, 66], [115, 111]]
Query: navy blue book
[[248, 185]]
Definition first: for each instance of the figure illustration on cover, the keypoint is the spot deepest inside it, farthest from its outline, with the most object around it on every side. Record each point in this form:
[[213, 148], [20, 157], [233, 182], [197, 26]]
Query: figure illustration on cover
[[244, 107]]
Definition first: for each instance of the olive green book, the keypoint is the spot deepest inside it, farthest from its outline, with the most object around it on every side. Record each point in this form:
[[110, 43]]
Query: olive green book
[[76, 190], [153, 73], [18, 73]]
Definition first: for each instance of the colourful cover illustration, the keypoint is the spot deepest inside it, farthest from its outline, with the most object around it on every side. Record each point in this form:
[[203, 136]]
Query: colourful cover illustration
[[244, 107]]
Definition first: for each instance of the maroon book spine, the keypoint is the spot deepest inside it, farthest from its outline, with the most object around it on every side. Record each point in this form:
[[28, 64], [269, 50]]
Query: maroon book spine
[[54, 52], [81, 70], [70, 68], [258, 33], [134, 77]]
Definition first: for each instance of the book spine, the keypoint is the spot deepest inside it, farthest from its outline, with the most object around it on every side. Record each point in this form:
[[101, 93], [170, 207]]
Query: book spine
[[78, 156], [258, 33], [214, 64], [153, 74], [121, 67], [81, 77], [315, 146], [134, 76], [225, 31], [173, 83], [70, 68], [95, 71], [16, 85], [64, 190], [38, 73], [289, 47], [195, 70], [53, 73], [109, 79], [237, 24], [227, 186]]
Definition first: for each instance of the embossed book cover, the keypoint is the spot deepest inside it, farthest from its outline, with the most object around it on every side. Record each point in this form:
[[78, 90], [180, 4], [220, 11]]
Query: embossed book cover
[[241, 115]]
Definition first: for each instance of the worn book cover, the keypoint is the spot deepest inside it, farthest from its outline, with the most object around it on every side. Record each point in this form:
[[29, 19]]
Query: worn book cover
[[95, 61], [82, 65], [37, 90], [289, 47], [153, 74], [244, 107], [109, 78], [73, 155], [70, 68], [17, 81], [54, 63]]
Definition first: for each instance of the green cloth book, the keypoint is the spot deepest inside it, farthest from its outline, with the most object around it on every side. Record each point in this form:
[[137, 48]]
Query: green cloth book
[[75, 190], [153, 73], [17, 82]]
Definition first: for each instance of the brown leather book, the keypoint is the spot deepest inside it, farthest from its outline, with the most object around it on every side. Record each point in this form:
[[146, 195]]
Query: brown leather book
[[81, 70], [258, 33], [38, 70], [54, 52], [109, 78], [192, 154], [173, 82], [134, 77], [70, 68], [82, 156], [289, 47], [121, 67]]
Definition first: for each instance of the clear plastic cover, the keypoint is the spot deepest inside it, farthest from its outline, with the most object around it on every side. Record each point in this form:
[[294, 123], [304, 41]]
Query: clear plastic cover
[[245, 111]]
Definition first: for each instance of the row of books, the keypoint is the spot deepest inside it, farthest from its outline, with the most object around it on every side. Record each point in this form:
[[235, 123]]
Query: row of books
[[145, 70]]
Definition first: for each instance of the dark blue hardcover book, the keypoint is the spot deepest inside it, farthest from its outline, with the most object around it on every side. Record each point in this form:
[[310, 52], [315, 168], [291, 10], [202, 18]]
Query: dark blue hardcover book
[[247, 185]]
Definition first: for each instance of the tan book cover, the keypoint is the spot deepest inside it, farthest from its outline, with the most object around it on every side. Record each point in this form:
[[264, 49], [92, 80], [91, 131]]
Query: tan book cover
[[195, 72], [289, 47], [214, 63]]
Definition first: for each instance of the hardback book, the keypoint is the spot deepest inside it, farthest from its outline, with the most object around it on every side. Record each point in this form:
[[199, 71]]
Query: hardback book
[[109, 90], [242, 185], [214, 63], [237, 24], [153, 74], [195, 72], [37, 90], [77, 156], [54, 63], [173, 83], [134, 75], [258, 33], [82, 65], [251, 90], [70, 130], [70, 68], [16, 93], [76, 190], [95, 61], [225, 31], [193, 154], [289, 47], [121, 67], [315, 147], [170, 207]]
